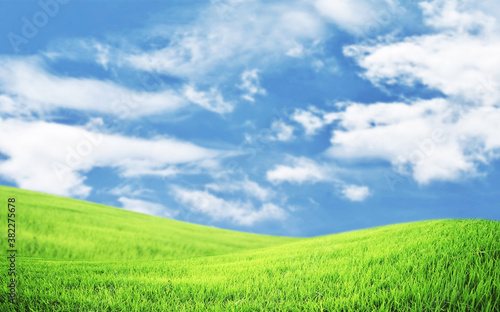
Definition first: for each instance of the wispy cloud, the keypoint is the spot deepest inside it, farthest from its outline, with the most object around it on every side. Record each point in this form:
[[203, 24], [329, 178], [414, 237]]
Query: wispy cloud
[[311, 119], [245, 186], [211, 100], [147, 207], [266, 34], [129, 190], [238, 212], [251, 85], [282, 131], [355, 16], [33, 88], [300, 170], [26, 83]]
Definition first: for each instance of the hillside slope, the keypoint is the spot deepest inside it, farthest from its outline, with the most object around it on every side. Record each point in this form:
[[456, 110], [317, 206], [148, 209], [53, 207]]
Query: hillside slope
[[441, 265], [56, 227]]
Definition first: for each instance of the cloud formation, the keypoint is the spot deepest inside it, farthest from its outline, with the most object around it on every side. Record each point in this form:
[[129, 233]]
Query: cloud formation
[[357, 16], [311, 119], [282, 131], [238, 212], [356, 193], [146, 207], [221, 38], [53, 158], [246, 186], [300, 170], [251, 85], [445, 138], [26, 82]]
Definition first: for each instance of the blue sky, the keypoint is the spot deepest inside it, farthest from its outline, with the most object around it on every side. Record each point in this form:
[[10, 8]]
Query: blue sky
[[293, 117]]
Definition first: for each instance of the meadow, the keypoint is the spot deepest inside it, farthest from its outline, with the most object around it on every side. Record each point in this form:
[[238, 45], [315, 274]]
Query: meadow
[[79, 256]]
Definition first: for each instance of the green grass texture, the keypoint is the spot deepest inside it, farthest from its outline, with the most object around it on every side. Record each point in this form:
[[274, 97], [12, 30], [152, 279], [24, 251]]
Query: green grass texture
[[79, 256]]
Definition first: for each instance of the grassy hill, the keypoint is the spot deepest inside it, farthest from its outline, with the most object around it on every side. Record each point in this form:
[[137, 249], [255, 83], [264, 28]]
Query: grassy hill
[[444, 265], [62, 228]]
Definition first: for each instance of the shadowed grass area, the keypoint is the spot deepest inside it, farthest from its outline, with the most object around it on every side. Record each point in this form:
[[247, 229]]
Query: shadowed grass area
[[443, 265]]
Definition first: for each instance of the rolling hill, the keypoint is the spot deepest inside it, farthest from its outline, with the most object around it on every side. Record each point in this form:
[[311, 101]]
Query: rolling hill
[[63, 228], [79, 256]]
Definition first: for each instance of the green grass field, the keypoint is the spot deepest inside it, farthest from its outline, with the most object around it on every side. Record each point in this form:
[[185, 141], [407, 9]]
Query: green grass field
[[79, 256]]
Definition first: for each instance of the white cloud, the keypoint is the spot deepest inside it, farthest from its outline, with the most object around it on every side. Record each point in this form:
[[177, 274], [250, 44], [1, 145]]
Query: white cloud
[[7, 105], [355, 193], [453, 61], [439, 139], [311, 119], [459, 66], [147, 207], [218, 41], [80, 49], [355, 16], [27, 83], [300, 170], [282, 131], [429, 139], [128, 190], [212, 100], [242, 213], [251, 84], [303, 170], [31, 87], [296, 51], [52, 158], [246, 186], [457, 15]]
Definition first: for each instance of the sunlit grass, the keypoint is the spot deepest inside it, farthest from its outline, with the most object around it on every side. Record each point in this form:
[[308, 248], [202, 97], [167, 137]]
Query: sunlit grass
[[444, 265]]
